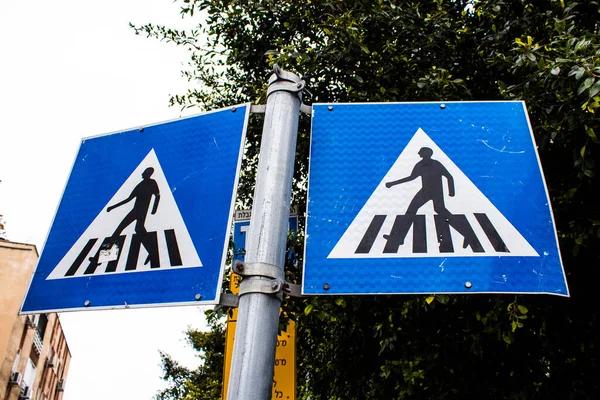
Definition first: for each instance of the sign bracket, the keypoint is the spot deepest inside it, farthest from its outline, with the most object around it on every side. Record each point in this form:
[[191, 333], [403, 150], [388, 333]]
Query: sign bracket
[[293, 290], [262, 108], [275, 284], [229, 300]]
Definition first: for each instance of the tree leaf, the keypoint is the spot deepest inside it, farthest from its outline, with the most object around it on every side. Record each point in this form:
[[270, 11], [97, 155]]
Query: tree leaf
[[442, 298], [308, 309], [595, 89], [590, 132], [522, 309]]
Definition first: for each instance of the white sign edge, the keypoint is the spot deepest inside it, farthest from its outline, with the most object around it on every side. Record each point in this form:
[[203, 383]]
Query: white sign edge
[[232, 206]]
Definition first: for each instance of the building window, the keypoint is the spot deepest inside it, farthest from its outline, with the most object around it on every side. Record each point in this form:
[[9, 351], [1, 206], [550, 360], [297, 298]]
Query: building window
[[16, 362], [28, 379], [41, 325]]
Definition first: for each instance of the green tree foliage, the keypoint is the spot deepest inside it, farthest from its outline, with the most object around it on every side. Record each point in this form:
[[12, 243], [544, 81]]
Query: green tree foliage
[[205, 382], [545, 52]]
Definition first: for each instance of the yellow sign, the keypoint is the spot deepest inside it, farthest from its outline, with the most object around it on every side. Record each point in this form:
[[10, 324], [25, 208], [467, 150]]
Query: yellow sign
[[284, 377]]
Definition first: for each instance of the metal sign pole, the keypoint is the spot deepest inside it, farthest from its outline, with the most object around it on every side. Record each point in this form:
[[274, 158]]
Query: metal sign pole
[[260, 292]]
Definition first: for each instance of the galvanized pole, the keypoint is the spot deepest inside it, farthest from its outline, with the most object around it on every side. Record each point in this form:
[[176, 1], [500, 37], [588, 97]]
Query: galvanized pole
[[251, 375]]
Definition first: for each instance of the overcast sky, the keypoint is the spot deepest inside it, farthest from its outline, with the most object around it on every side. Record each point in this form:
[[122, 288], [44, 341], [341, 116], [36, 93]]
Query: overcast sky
[[72, 69]]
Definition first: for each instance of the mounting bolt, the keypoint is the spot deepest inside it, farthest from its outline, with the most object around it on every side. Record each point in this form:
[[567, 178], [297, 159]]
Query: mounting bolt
[[330, 108], [198, 296], [468, 285], [233, 109], [326, 286], [442, 106], [141, 129], [240, 266], [87, 303], [299, 85], [275, 285]]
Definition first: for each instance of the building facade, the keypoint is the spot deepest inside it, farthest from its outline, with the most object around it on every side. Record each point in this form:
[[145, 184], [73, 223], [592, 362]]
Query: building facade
[[34, 355]]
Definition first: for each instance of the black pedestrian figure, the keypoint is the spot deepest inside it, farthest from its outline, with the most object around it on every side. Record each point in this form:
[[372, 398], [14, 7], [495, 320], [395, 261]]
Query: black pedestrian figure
[[142, 193], [431, 173]]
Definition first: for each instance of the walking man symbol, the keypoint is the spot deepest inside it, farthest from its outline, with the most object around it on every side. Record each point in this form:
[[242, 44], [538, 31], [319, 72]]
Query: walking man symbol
[[138, 229], [431, 173], [142, 193]]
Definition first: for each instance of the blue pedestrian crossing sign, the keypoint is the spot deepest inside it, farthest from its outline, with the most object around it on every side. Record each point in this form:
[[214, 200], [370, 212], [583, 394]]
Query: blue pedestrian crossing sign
[[241, 227], [145, 217], [428, 198]]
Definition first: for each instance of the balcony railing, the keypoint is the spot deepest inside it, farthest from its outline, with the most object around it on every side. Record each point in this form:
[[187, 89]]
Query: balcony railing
[[37, 343]]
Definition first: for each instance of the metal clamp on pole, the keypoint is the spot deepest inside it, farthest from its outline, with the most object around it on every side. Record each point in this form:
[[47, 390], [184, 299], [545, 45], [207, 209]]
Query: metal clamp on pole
[[285, 81], [273, 285], [258, 269], [266, 286]]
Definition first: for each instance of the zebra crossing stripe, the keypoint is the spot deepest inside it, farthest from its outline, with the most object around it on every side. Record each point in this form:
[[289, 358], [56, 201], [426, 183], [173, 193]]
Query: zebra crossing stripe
[[370, 235], [77, 263], [173, 248], [403, 224], [491, 233]]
